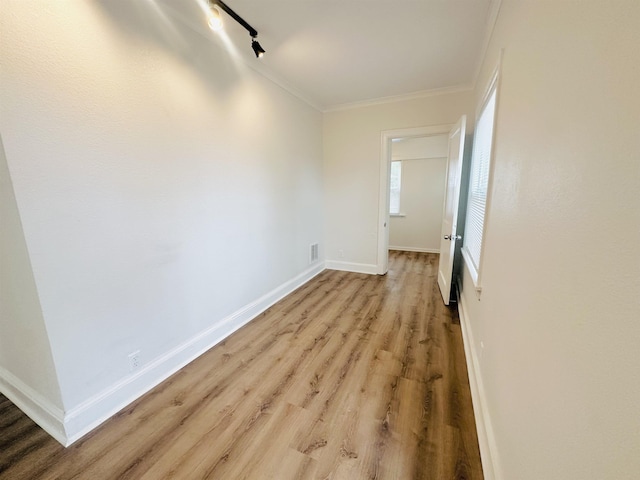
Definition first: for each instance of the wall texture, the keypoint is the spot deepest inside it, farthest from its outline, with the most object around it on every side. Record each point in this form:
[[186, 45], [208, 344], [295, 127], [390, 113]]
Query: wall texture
[[352, 141], [555, 333], [153, 224]]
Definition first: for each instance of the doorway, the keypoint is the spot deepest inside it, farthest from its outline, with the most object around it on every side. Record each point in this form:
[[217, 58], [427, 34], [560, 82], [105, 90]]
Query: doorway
[[388, 138], [417, 192]]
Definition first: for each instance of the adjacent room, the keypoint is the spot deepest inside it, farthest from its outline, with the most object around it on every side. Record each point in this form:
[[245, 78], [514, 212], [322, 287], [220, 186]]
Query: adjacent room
[[350, 239], [416, 192]]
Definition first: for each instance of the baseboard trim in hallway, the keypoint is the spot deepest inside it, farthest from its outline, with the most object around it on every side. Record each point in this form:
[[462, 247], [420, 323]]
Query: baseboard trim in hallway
[[351, 376], [85, 417], [486, 439], [90, 414], [352, 267], [39, 409]]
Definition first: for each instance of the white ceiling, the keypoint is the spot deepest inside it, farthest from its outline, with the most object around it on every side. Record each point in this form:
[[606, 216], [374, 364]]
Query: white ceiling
[[338, 52]]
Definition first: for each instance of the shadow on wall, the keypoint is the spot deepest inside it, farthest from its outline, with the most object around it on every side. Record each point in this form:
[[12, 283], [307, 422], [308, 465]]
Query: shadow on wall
[[22, 329], [181, 31]]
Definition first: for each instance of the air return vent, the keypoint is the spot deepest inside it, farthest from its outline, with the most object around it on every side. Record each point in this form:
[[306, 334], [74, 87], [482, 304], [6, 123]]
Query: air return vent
[[313, 253]]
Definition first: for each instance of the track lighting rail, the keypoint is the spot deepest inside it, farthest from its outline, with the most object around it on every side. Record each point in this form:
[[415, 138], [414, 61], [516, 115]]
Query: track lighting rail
[[252, 31], [215, 23]]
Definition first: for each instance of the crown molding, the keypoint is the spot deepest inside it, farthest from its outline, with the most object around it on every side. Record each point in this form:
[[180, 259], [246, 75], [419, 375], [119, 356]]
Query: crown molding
[[492, 15], [257, 67], [399, 98]]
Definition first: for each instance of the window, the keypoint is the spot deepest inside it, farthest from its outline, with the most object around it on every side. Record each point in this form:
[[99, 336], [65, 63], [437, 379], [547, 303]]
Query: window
[[395, 186], [479, 184]]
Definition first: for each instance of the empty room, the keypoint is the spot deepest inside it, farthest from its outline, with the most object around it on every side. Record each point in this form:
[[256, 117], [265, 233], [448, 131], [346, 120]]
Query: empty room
[[319, 239]]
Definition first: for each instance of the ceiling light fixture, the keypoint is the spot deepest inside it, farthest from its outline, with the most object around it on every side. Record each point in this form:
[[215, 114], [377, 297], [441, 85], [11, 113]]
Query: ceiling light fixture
[[214, 4], [215, 19]]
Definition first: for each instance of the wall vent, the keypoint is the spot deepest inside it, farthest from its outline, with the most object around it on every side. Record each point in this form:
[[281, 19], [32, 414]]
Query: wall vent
[[313, 253]]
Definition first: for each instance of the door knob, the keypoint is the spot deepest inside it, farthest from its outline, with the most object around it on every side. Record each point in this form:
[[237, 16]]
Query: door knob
[[453, 237]]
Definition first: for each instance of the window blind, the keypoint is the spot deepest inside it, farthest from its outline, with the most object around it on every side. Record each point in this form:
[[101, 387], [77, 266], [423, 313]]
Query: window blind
[[478, 183]]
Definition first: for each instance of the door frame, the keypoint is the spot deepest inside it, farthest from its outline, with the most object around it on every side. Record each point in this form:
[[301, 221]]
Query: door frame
[[386, 138]]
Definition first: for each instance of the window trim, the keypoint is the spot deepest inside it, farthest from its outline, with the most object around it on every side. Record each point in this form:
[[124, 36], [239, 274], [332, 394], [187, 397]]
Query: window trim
[[476, 273]]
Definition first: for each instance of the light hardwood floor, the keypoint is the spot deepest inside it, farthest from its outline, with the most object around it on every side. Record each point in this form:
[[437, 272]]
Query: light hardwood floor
[[350, 377]]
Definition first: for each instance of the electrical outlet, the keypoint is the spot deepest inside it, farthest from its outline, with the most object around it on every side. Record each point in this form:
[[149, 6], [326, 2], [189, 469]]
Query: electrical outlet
[[134, 360], [340, 253]]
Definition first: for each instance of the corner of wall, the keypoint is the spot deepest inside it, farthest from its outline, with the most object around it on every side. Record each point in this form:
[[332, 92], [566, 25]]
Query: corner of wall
[[27, 372], [35, 406]]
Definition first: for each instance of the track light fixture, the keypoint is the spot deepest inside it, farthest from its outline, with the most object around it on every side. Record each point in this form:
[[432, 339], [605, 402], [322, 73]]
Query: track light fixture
[[215, 23], [257, 48]]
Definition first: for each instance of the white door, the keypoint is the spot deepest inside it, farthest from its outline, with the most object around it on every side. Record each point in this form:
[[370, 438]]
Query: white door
[[450, 214]]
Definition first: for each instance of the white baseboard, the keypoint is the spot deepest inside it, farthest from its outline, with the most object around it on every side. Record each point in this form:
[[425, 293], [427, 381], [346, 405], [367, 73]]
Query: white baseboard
[[352, 267], [486, 438], [88, 415], [34, 405], [415, 249]]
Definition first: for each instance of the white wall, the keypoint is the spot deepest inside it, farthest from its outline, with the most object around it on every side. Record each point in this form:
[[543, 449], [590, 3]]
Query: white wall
[[167, 192], [424, 168], [25, 355], [418, 148], [352, 169], [559, 311]]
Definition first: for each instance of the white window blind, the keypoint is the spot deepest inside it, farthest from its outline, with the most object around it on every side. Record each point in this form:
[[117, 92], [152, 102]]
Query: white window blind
[[478, 184], [394, 188]]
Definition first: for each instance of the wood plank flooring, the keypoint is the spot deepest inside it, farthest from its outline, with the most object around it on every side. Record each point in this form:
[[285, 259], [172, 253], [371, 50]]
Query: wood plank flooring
[[350, 377]]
